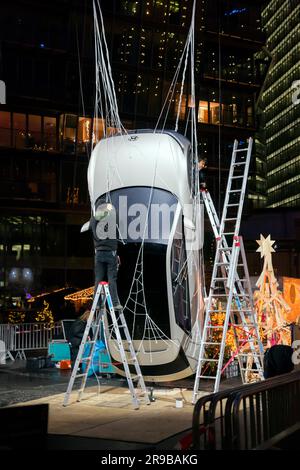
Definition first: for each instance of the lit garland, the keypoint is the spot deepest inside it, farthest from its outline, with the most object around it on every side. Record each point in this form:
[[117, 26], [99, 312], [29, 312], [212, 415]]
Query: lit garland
[[45, 315], [16, 317], [33, 298], [85, 294]]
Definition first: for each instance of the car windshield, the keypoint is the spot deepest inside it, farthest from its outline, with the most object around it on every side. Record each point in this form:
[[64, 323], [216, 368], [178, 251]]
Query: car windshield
[[142, 213]]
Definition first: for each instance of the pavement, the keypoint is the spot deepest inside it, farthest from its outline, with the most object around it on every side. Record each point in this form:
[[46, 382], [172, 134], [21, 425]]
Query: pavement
[[105, 418]]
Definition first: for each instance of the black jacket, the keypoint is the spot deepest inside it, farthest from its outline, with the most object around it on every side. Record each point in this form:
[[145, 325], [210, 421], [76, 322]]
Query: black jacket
[[76, 332], [106, 244]]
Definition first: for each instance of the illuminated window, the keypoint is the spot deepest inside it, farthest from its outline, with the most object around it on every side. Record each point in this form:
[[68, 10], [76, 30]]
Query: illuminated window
[[98, 130], [17, 249], [203, 112], [34, 135], [19, 130], [84, 134], [50, 133], [68, 127], [182, 105], [214, 112]]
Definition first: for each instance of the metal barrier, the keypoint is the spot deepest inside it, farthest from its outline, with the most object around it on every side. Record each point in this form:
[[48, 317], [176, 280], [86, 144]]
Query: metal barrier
[[28, 336], [265, 412], [248, 417], [7, 335]]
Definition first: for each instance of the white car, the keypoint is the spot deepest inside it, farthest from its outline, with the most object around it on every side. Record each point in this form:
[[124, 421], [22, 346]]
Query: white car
[[148, 178]]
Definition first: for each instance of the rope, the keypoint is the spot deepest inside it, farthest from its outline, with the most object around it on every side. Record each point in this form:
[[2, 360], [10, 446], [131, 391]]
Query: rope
[[106, 106]]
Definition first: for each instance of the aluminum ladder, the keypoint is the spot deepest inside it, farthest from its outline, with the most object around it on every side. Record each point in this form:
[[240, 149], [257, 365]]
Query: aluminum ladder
[[118, 323], [230, 281]]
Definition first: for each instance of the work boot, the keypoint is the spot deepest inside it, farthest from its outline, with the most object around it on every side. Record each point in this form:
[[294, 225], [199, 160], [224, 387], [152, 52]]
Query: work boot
[[118, 307]]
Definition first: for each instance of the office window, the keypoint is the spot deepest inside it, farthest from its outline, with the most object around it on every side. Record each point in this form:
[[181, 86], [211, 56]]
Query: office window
[[128, 7], [98, 130], [5, 131], [214, 112], [19, 130], [68, 125], [49, 133], [84, 134], [34, 135], [203, 111]]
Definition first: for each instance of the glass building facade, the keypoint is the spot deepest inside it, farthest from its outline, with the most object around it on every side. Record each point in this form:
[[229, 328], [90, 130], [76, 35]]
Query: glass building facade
[[46, 134], [280, 20]]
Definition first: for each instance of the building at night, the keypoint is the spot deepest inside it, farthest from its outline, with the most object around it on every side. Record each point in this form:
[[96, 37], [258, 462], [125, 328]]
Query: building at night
[[281, 104], [47, 127]]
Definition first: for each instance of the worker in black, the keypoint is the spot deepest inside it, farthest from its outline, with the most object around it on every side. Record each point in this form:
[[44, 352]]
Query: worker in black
[[104, 228], [76, 333], [202, 165]]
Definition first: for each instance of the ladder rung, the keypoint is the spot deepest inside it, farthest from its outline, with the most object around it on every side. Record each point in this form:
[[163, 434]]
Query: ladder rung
[[210, 342], [206, 359], [215, 327], [86, 358], [80, 375], [235, 191], [232, 205], [230, 218], [238, 163], [211, 377], [222, 264], [236, 177], [257, 355], [220, 279], [228, 233], [240, 150], [228, 248]]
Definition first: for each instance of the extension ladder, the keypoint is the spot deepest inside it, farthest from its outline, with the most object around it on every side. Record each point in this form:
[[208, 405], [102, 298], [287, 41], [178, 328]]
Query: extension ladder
[[118, 323], [230, 283]]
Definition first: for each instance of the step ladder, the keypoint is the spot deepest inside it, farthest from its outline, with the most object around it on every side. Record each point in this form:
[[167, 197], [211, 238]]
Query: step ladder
[[230, 292], [118, 323]]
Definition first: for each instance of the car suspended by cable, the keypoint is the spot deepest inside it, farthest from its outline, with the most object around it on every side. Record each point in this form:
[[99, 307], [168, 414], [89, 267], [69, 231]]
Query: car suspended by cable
[[148, 178]]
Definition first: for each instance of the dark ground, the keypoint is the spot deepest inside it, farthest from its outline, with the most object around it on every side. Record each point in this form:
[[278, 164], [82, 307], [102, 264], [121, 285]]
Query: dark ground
[[17, 384]]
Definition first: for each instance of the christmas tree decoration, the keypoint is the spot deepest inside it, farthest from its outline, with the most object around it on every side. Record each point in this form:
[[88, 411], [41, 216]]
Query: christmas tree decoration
[[272, 310], [45, 315]]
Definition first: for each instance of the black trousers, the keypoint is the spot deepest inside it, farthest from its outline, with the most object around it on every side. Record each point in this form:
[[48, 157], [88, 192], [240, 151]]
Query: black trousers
[[73, 352], [106, 269]]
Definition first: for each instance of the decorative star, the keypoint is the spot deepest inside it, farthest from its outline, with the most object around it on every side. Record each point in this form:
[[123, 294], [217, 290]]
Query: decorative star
[[265, 246]]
